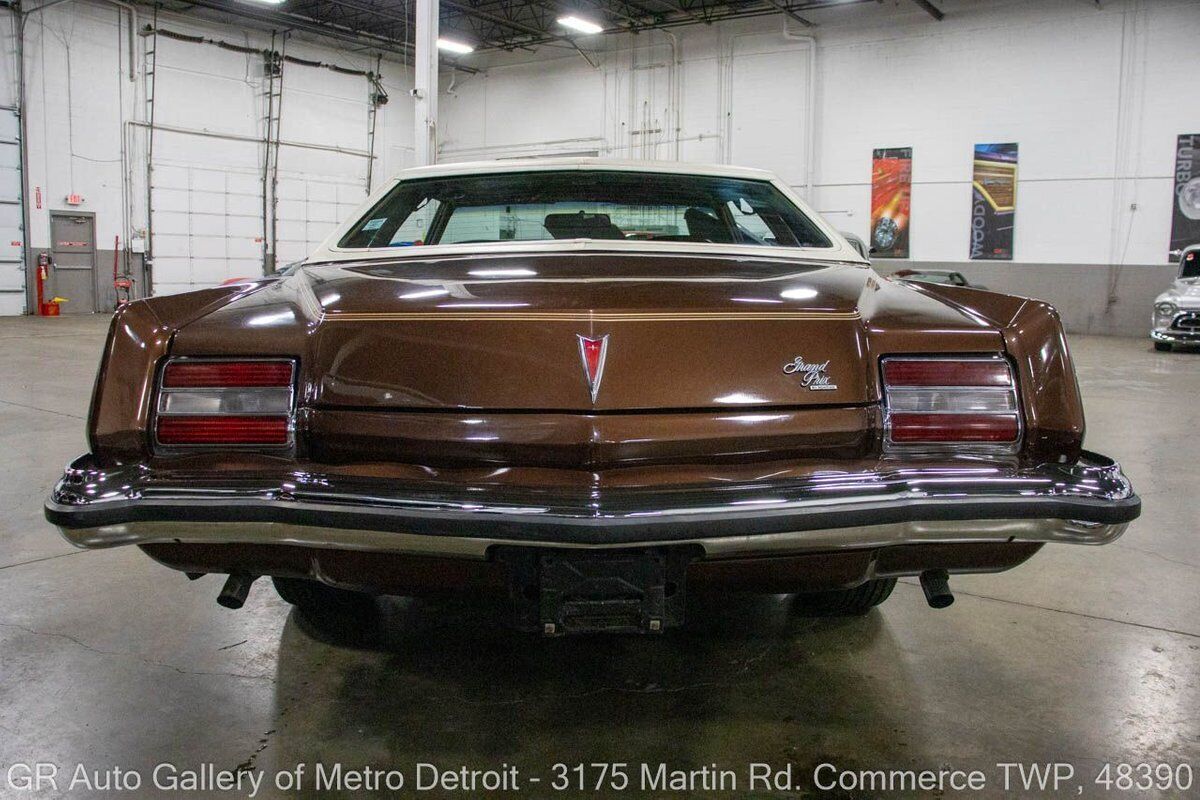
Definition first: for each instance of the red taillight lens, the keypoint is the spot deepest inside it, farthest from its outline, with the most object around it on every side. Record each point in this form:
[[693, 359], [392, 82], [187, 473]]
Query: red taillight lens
[[223, 430], [226, 374], [950, 401], [909, 428], [202, 402], [938, 372]]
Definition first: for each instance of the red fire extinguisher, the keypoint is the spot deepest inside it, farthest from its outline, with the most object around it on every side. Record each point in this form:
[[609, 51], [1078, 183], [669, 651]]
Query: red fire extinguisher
[[44, 308]]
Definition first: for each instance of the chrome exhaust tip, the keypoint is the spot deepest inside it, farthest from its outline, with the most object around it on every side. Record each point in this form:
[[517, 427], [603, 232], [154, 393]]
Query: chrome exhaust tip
[[233, 593], [936, 585]]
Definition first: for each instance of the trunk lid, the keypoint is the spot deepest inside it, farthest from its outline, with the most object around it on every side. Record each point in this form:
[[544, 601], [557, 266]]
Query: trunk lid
[[503, 332], [663, 335]]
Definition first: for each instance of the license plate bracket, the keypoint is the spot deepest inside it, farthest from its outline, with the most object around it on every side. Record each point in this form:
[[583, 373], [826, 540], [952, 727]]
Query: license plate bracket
[[598, 591]]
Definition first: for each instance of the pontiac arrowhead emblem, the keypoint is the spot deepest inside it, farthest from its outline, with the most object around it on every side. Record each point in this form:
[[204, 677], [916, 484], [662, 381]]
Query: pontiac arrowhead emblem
[[592, 353]]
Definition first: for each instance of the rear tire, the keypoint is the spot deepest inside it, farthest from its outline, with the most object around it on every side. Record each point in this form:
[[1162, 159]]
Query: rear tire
[[319, 601], [1162, 347], [848, 602]]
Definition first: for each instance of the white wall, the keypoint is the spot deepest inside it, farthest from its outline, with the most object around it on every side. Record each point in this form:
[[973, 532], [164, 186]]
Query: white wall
[[1095, 97], [208, 189]]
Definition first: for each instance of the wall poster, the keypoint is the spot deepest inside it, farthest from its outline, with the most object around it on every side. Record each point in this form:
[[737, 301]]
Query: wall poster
[[1185, 211], [891, 189], [993, 202]]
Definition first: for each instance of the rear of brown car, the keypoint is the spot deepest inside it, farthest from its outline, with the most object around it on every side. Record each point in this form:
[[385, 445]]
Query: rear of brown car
[[429, 446], [589, 423]]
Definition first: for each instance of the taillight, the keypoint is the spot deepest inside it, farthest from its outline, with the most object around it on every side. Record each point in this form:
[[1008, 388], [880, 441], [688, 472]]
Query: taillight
[[227, 374], [946, 400], [211, 402], [223, 430]]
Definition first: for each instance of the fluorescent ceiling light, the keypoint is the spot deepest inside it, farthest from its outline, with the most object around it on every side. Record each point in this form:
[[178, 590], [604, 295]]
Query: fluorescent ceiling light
[[451, 46], [580, 24], [502, 273], [419, 293]]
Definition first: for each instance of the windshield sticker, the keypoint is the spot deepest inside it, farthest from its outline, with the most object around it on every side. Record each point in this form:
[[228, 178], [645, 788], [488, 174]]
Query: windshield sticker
[[374, 224]]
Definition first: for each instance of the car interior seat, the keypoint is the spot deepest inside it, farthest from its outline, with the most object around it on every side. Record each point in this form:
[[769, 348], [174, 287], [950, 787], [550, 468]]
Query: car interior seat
[[582, 225], [704, 227]]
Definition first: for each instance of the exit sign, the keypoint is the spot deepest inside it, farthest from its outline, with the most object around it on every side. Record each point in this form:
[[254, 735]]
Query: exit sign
[[74, 199]]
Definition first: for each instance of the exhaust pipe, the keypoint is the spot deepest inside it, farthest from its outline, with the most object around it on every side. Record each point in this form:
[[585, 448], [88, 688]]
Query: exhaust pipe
[[233, 594], [936, 584]]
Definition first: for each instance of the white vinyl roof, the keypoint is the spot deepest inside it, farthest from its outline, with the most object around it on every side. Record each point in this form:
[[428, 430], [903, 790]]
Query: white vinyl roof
[[578, 163]]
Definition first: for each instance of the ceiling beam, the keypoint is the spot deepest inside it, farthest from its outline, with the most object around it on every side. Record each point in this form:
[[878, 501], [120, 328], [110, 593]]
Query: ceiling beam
[[782, 6], [930, 9], [468, 10], [679, 7], [370, 10], [513, 24], [287, 20], [727, 11], [271, 19]]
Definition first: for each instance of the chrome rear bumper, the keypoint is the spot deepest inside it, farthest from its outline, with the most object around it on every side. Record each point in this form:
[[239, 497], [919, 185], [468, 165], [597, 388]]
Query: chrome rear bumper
[[1089, 502]]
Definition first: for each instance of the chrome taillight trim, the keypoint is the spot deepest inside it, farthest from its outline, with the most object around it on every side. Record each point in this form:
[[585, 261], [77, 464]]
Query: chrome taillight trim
[[162, 391], [890, 446]]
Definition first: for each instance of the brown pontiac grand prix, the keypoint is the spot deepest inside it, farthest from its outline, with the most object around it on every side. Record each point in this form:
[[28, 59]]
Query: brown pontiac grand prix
[[590, 387]]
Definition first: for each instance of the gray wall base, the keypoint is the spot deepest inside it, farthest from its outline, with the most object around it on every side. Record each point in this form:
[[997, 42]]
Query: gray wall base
[[1091, 298], [104, 293]]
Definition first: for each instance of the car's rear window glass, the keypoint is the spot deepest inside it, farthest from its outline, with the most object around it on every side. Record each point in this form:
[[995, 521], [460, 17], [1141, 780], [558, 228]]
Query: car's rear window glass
[[1191, 265], [532, 206]]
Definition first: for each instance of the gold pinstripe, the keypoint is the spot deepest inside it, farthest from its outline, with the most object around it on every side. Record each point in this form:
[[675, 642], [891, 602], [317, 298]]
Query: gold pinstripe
[[585, 316]]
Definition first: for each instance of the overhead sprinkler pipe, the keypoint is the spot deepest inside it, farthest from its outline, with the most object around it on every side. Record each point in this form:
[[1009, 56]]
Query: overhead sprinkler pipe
[[810, 107], [131, 36]]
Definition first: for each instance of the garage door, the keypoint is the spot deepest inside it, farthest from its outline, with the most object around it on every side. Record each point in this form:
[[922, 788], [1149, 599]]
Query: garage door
[[310, 207], [322, 161], [12, 251], [206, 223], [206, 178]]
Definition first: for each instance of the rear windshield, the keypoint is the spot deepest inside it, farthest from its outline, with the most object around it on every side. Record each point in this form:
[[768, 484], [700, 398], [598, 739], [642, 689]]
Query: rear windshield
[[538, 206], [931, 277]]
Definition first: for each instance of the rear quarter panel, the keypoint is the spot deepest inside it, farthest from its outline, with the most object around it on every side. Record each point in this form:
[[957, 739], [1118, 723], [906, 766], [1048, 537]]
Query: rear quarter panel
[[1034, 339]]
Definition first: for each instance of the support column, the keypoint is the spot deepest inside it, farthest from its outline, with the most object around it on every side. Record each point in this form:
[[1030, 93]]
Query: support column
[[425, 82]]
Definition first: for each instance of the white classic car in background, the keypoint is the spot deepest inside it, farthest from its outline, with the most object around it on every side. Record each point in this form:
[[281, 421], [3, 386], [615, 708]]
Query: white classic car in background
[[1177, 310]]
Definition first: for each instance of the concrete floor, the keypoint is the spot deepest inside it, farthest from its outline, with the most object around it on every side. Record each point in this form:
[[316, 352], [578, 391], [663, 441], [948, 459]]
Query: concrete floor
[[1084, 655]]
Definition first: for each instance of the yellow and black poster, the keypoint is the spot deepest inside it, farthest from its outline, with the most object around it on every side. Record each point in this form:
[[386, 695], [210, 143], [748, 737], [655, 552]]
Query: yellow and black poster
[[993, 202]]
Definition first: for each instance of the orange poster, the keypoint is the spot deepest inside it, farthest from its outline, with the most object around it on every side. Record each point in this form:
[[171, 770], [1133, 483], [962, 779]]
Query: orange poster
[[891, 187]]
